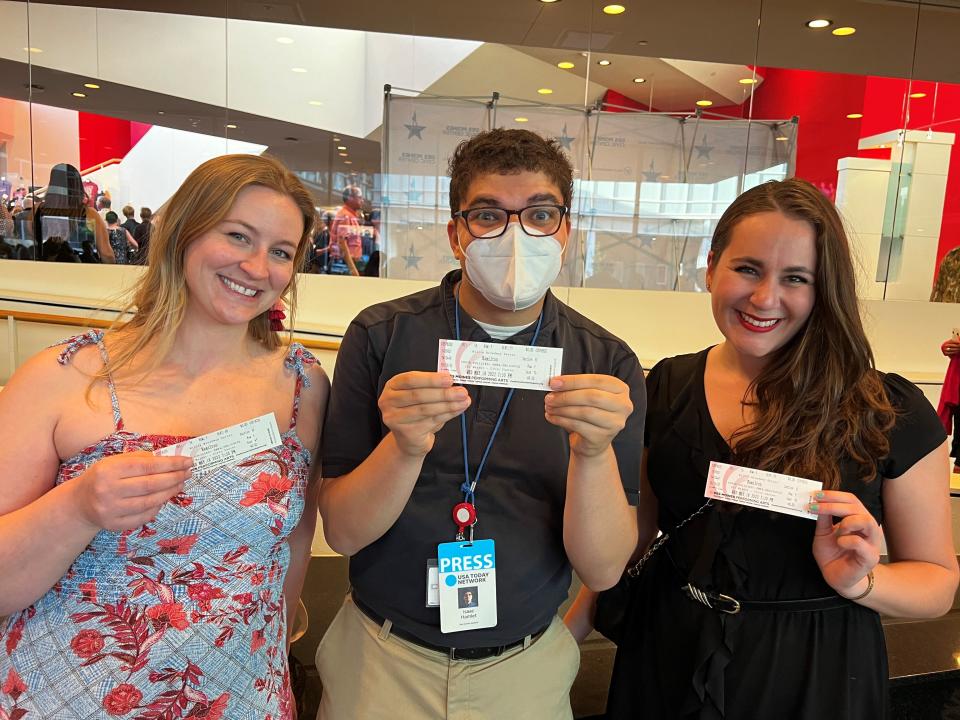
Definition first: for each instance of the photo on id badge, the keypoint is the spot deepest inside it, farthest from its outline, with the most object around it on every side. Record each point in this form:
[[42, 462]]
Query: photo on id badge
[[468, 585]]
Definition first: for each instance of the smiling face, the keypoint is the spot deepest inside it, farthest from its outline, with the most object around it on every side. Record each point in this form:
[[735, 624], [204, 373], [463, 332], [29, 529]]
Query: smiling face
[[239, 268], [762, 284]]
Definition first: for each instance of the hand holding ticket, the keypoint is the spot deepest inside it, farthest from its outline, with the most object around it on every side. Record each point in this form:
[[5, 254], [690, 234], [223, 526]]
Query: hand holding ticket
[[499, 364], [228, 445], [761, 489]]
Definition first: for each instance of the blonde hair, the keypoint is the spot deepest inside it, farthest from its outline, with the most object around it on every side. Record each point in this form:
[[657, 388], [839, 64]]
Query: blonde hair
[[159, 299]]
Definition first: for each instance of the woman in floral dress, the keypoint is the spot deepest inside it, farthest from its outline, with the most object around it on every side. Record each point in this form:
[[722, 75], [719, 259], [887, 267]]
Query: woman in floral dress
[[134, 587]]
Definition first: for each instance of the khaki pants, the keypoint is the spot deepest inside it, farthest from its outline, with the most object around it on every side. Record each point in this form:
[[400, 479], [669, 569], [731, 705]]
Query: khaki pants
[[369, 674]]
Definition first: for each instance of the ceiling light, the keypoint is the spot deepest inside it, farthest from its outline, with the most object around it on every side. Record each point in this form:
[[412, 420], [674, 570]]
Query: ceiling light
[[819, 23], [748, 81], [918, 95], [285, 40], [782, 138], [639, 80], [79, 94], [316, 103], [583, 54], [348, 162], [854, 116], [299, 69], [547, 2], [419, 227], [566, 65], [614, 9], [343, 154], [231, 126], [842, 31], [545, 91], [341, 147], [92, 86], [160, 112], [32, 49], [521, 119], [604, 63], [336, 139], [704, 103]]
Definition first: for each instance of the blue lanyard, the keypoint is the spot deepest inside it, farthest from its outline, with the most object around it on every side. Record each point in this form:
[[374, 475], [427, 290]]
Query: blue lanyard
[[469, 487]]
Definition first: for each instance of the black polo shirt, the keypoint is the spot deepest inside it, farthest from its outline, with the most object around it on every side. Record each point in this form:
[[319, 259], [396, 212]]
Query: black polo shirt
[[519, 497]]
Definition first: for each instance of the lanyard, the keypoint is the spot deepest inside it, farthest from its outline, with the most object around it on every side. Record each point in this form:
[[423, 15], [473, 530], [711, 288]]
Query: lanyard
[[469, 486]]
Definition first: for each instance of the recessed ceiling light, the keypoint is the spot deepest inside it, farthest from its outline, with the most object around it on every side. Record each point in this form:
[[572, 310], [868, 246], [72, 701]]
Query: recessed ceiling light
[[566, 65], [819, 23], [704, 103], [299, 69], [92, 86], [614, 9], [419, 227], [316, 103], [583, 54], [747, 81], [348, 162], [343, 154], [782, 138], [841, 31], [854, 116], [521, 119], [336, 139], [603, 62], [547, 2], [79, 94], [160, 112], [918, 95], [32, 49], [639, 80], [231, 126], [285, 40], [545, 91], [341, 147]]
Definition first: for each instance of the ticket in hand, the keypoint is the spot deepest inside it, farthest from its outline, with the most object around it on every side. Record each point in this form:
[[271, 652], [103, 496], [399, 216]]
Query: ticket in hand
[[227, 446], [761, 489], [499, 364]]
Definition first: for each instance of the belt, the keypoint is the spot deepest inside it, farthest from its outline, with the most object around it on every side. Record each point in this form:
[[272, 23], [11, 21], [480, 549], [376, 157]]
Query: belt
[[479, 653], [731, 606]]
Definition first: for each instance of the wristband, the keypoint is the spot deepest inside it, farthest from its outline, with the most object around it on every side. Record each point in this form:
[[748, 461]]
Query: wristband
[[868, 590]]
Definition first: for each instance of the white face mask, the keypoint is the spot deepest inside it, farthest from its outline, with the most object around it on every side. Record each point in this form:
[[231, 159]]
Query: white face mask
[[514, 270]]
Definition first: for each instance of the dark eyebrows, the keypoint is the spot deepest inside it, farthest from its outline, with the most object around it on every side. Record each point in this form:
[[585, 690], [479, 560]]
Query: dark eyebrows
[[490, 201], [757, 263]]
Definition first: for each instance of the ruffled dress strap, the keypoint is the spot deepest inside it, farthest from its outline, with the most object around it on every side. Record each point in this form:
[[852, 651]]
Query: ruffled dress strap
[[74, 344], [298, 358]]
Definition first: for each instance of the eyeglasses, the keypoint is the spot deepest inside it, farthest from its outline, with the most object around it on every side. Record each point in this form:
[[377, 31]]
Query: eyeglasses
[[491, 222]]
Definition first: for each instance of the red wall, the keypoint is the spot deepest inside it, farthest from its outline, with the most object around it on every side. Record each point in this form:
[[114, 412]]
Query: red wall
[[103, 138]]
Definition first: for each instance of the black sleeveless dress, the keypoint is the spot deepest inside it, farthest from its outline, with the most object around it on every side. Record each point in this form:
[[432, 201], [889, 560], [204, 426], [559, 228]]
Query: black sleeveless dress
[[684, 660]]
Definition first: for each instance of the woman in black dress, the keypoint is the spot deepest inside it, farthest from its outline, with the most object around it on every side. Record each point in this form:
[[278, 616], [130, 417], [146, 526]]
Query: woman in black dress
[[748, 614]]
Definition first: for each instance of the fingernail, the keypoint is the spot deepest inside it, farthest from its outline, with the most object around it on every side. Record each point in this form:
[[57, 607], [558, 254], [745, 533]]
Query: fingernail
[[813, 507], [556, 383], [819, 495]]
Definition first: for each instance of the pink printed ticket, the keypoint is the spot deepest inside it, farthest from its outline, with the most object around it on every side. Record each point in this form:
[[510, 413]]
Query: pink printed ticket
[[761, 489]]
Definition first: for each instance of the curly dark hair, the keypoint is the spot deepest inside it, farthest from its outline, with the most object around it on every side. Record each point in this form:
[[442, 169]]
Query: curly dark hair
[[507, 152]]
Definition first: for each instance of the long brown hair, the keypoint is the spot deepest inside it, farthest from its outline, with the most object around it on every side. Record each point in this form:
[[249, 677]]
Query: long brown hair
[[820, 398], [159, 299]]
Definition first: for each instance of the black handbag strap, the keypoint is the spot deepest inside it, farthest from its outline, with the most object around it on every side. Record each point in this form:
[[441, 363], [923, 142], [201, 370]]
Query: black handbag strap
[[634, 570]]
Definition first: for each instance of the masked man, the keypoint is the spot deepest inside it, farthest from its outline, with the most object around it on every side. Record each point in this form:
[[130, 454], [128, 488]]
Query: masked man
[[539, 480]]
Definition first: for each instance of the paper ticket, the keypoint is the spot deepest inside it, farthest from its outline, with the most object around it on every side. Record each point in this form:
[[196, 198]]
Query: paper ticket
[[229, 445], [761, 489], [499, 364]]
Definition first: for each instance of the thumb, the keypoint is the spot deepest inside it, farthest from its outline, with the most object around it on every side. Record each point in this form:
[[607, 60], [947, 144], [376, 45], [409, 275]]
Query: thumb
[[824, 525]]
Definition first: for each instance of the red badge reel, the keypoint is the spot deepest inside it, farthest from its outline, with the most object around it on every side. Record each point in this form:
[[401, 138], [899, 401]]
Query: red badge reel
[[465, 516]]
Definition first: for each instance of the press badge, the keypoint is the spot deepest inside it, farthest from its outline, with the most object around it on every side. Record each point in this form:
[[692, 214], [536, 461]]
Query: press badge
[[468, 585]]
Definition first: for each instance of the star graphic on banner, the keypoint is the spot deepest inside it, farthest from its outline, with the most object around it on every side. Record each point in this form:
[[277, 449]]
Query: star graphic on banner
[[414, 129], [704, 150], [413, 260], [651, 175], [565, 140]]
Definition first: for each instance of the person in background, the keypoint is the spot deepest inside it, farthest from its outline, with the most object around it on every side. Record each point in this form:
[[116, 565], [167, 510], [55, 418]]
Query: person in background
[[122, 242], [346, 238], [65, 213], [142, 236], [103, 205], [129, 224], [947, 286], [166, 589], [554, 489], [748, 613]]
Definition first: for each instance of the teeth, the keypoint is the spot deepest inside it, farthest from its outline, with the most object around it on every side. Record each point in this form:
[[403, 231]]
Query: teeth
[[759, 323], [238, 288]]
